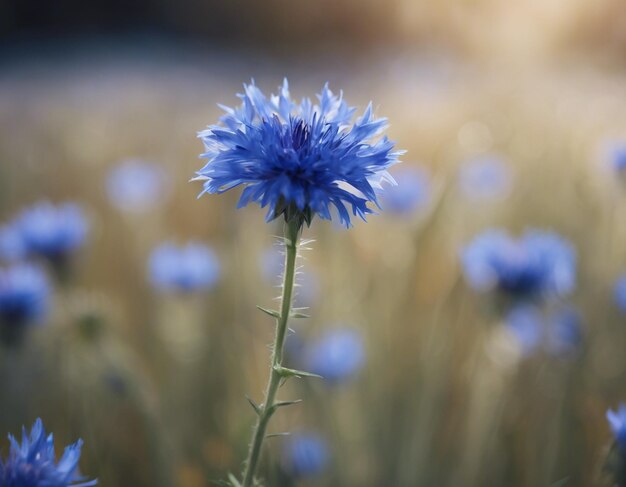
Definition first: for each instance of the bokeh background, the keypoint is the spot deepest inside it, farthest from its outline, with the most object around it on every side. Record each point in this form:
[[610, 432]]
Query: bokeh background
[[433, 387]]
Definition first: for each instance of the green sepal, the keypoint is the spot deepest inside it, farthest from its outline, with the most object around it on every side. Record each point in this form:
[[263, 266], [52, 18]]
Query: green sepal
[[307, 214], [271, 312]]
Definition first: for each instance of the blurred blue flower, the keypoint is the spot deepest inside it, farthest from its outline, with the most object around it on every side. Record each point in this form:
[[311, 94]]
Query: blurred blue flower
[[33, 463], [337, 355], [486, 177], [24, 294], [298, 158], [11, 244], [136, 186], [526, 324], [305, 455], [565, 332], [538, 264], [617, 422], [52, 231], [187, 268], [410, 194], [618, 157], [619, 292]]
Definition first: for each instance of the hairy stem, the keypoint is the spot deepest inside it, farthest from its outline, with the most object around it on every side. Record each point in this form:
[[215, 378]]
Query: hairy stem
[[265, 412]]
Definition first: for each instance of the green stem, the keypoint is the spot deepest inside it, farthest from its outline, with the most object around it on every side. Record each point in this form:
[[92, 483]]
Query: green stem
[[265, 412]]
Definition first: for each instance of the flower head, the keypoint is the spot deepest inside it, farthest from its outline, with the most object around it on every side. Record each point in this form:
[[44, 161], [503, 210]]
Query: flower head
[[136, 186], [619, 292], [410, 194], [33, 464], [305, 455], [51, 231], [24, 294], [486, 177], [188, 268], [538, 264], [337, 355], [617, 422], [298, 159]]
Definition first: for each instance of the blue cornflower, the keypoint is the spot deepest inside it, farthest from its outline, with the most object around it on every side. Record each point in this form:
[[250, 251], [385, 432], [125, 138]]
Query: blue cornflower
[[305, 455], [337, 355], [410, 194], [33, 464], [486, 177], [52, 231], [617, 422], [11, 244], [136, 186], [187, 268], [526, 325], [24, 294], [538, 264], [565, 332], [298, 160], [559, 332], [618, 158], [619, 292]]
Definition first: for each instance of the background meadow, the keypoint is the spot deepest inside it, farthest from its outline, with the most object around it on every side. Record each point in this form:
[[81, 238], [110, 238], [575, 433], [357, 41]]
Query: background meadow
[[512, 116]]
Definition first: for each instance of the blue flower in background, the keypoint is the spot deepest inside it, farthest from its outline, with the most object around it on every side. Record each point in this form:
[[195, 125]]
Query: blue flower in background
[[559, 332], [136, 186], [11, 244], [188, 268], [298, 158], [486, 177], [337, 355], [24, 294], [305, 455], [565, 332], [33, 463], [619, 292], [410, 194], [538, 264], [618, 157], [526, 324], [617, 422], [51, 231]]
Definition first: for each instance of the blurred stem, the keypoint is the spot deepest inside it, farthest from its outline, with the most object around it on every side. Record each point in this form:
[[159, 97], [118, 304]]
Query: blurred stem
[[265, 412]]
